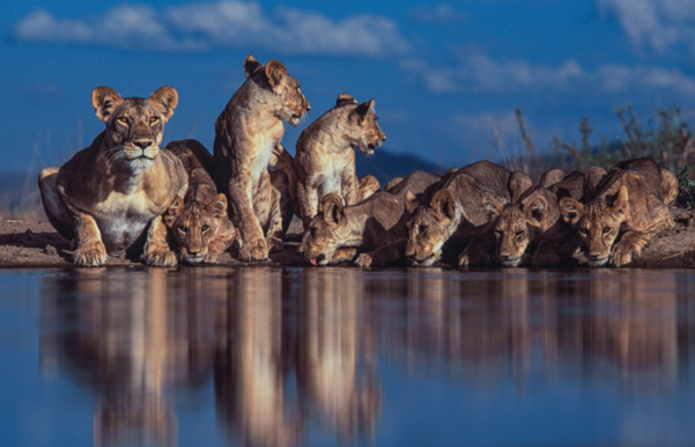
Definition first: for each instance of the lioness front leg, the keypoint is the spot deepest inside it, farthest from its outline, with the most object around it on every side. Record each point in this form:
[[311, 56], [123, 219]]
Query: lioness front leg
[[479, 252], [276, 235], [218, 246], [350, 188], [629, 247], [547, 254], [344, 254], [308, 197], [253, 245], [90, 250], [157, 252]]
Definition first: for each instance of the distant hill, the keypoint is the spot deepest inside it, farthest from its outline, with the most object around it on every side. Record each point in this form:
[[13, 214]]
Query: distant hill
[[385, 165]]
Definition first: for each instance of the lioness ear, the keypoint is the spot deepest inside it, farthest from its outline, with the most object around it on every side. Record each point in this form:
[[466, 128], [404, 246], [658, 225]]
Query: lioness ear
[[592, 178], [218, 206], [251, 65], [571, 210], [333, 209], [551, 177], [361, 111], [519, 182], [165, 99], [492, 208], [536, 210], [105, 100], [444, 203], [411, 202], [345, 98], [275, 72], [175, 210], [621, 204]]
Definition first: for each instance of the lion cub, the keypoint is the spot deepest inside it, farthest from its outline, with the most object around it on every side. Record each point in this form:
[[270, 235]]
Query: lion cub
[[199, 221], [325, 159], [530, 228], [378, 224], [460, 208], [629, 205], [247, 138], [111, 195]]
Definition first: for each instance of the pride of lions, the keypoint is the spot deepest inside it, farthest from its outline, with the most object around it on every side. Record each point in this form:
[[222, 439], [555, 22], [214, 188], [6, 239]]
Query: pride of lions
[[124, 194]]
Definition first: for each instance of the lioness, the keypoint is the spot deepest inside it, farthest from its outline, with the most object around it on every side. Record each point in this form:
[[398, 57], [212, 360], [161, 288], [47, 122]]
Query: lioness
[[247, 135], [108, 194], [199, 221], [325, 159], [377, 224], [531, 228], [629, 205], [459, 209]]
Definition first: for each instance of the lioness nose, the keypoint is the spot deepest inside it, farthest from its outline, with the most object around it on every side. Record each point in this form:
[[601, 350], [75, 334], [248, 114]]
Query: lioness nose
[[143, 144]]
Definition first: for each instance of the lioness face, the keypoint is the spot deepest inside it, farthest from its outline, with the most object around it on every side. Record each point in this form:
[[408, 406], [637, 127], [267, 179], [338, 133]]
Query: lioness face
[[516, 228], [598, 224], [134, 126], [363, 130], [194, 226], [427, 232], [326, 232]]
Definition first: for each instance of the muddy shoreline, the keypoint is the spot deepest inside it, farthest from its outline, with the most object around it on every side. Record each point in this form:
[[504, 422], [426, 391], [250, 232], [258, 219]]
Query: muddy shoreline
[[33, 243]]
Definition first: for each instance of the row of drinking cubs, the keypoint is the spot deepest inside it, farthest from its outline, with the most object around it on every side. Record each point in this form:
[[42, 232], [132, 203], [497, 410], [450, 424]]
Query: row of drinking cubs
[[125, 194]]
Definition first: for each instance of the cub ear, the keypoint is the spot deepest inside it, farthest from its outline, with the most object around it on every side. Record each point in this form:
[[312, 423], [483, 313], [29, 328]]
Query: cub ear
[[218, 206], [361, 111], [551, 177], [275, 72], [174, 211], [592, 178], [165, 99], [345, 98], [536, 209], [519, 182], [333, 212], [621, 204], [105, 100], [251, 65], [411, 202], [492, 208], [444, 204], [571, 210]]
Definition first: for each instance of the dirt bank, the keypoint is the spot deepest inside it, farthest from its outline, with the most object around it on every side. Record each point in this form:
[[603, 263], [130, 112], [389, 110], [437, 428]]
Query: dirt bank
[[34, 243]]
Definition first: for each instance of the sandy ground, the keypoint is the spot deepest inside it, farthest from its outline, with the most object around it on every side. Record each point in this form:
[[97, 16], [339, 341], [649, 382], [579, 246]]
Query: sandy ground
[[34, 243]]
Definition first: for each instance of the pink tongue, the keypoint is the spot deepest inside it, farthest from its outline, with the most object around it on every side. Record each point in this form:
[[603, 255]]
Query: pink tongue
[[313, 262]]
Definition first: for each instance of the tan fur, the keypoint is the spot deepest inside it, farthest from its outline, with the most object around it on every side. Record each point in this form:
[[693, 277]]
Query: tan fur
[[377, 225], [247, 139], [325, 159], [199, 222], [530, 229], [629, 205], [112, 193], [459, 209]]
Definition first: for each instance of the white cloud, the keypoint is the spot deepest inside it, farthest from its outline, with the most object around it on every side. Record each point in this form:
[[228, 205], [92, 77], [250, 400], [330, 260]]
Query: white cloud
[[480, 74], [224, 24], [658, 24], [442, 14]]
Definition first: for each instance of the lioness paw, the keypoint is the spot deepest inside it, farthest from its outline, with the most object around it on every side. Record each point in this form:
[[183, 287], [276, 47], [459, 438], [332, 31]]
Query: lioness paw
[[92, 255], [364, 260], [274, 244], [212, 257], [161, 258], [254, 251], [464, 260], [623, 254]]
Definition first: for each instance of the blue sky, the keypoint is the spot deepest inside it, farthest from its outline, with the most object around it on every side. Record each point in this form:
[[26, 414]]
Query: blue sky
[[446, 76]]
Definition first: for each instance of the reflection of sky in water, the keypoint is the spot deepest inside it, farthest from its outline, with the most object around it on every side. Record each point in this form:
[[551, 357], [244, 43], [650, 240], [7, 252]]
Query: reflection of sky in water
[[260, 356]]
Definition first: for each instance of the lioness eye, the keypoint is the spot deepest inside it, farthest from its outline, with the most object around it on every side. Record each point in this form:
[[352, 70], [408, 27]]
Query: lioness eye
[[519, 233], [606, 230], [183, 229], [123, 120], [422, 229], [498, 233], [584, 231], [154, 119], [204, 228]]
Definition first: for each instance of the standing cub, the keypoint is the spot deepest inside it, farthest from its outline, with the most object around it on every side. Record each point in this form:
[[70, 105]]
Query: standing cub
[[199, 222], [113, 193], [247, 137], [325, 159], [629, 205]]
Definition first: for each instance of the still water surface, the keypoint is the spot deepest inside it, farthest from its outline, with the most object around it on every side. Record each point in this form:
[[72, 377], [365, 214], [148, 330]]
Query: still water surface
[[283, 357]]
